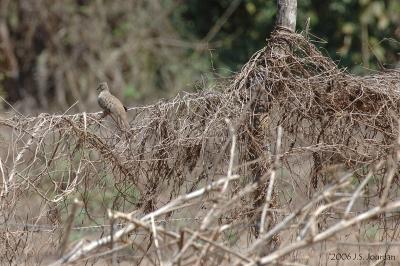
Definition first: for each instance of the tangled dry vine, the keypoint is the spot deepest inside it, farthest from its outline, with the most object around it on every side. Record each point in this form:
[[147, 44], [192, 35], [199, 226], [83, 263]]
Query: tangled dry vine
[[293, 151]]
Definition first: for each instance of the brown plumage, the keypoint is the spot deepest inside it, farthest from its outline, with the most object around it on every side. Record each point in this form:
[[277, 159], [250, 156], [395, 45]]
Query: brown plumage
[[112, 105]]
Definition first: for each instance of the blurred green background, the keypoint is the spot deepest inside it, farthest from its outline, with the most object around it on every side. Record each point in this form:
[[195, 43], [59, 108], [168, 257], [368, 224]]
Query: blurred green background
[[54, 53]]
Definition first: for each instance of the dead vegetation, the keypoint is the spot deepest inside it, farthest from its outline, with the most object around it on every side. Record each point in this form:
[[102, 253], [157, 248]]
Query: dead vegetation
[[292, 152]]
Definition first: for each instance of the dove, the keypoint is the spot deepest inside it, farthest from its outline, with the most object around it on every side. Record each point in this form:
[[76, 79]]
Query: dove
[[112, 105]]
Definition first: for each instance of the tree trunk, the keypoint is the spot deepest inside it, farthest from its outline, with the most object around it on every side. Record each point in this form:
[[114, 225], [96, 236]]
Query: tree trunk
[[287, 11]]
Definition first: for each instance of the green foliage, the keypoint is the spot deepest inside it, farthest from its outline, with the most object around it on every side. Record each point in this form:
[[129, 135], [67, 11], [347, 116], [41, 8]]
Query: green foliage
[[132, 92], [371, 232], [243, 33], [357, 32], [231, 236], [354, 181]]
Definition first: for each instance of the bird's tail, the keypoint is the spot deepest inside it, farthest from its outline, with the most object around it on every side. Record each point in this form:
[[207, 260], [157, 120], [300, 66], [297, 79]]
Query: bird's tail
[[124, 124]]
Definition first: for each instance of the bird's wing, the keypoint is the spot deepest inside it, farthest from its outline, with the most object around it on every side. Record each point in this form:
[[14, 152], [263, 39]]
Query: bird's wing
[[115, 104], [104, 102]]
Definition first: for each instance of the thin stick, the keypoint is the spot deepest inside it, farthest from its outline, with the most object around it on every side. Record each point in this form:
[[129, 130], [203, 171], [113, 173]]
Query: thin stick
[[20, 155], [211, 213], [12, 107], [392, 171], [357, 193], [232, 154], [312, 222], [112, 222], [76, 203], [184, 198], [271, 180], [165, 209], [280, 226], [219, 246], [144, 225], [5, 191], [340, 226], [68, 255], [221, 21], [206, 247], [153, 227]]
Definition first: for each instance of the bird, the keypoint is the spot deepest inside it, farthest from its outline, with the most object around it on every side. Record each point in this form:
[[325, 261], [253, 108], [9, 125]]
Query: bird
[[111, 105]]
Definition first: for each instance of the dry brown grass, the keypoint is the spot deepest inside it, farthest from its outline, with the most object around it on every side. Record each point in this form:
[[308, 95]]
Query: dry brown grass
[[291, 153]]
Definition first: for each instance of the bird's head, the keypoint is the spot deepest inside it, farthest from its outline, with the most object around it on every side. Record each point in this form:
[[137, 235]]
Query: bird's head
[[102, 86]]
